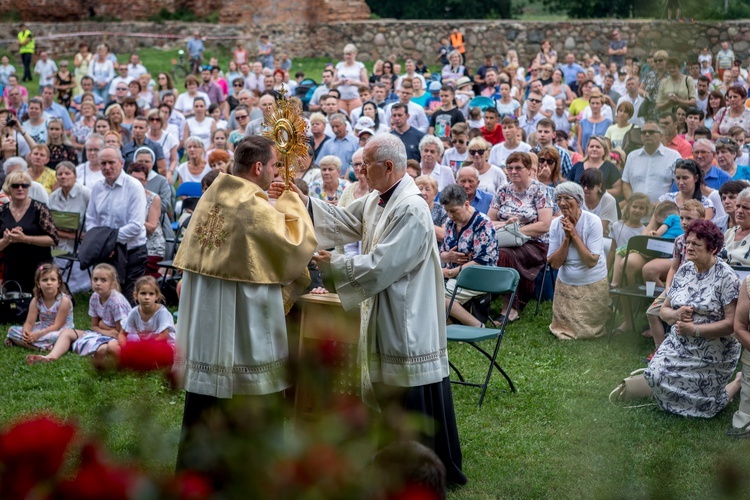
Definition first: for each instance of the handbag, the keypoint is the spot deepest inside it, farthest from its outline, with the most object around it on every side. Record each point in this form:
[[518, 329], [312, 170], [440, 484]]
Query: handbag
[[647, 108], [632, 140], [510, 236], [631, 387], [14, 306]]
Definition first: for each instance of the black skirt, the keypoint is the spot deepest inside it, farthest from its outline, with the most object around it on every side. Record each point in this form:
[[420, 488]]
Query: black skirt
[[440, 433]]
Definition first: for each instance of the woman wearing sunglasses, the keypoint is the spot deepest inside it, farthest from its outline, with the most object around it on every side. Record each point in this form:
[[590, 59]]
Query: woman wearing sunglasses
[[491, 177], [27, 230]]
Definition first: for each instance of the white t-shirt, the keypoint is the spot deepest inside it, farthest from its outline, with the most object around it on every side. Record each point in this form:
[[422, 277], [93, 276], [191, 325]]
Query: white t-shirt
[[186, 176], [86, 176], [499, 153], [352, 72], [443, 175], [184, 103], [622, 233], [454, 159], [137, 329], [492, 180], [46, 71], [574, 271], [167, 141], [202, 129], [606, 210], [650, 174]]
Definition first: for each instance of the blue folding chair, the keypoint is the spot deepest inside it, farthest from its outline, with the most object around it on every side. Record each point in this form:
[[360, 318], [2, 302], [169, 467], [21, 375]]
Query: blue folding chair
[[487, 279]]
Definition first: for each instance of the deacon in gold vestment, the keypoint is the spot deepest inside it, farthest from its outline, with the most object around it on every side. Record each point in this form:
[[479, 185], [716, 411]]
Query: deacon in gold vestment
[[241, 256]]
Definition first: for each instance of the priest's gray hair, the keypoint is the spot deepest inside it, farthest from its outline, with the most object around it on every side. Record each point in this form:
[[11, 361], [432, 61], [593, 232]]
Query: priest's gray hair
[[453, 195], [389, 147], [570, 189], [15, 161]]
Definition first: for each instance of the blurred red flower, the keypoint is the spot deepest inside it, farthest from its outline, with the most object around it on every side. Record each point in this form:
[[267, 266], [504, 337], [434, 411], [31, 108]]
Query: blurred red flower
[[32, 451], [96, 479], [191, 485], [146, 355]]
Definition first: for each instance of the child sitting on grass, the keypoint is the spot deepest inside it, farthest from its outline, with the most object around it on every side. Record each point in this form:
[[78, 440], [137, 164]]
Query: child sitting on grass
[[149, 319], [107, 308], [50, 306]]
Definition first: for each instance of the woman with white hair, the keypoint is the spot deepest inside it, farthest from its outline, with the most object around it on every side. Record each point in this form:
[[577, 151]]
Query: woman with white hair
[[491, 177], [351, 75], [318, 129], [196, 165], [580, 303], [332, 186], [36, 191], [431, 148]]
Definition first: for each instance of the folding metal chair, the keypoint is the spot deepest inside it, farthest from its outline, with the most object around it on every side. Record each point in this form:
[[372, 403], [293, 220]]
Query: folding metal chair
[[487, 279], [649, 246], [68, 221]]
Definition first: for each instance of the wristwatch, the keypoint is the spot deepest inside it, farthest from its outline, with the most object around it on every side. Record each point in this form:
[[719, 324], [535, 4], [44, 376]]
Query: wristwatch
[[697, 331]]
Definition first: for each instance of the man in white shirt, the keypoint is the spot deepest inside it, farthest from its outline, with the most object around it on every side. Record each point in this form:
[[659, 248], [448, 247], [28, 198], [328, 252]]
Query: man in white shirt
[[135, 68], [531, 116], [560, 116], [500, 152], [321, 90], [90, 172], [411, 73], [417, 117], [633, 97], [548, 102], [256, 79], [119, 202], [650, 169], [121, 78], [45, 68]]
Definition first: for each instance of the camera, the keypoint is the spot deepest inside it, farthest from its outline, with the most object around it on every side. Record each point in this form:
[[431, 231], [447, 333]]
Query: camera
[[11, 121]]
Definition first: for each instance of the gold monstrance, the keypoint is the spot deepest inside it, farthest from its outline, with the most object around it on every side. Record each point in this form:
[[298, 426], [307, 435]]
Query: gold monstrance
[[286, 128]]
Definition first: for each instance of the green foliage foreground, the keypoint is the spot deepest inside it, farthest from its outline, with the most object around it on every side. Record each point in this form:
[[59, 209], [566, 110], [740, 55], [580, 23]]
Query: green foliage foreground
[[558, 436]]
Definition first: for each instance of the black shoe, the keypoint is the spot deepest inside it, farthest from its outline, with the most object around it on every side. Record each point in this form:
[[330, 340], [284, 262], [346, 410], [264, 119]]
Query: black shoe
[[739, 432]]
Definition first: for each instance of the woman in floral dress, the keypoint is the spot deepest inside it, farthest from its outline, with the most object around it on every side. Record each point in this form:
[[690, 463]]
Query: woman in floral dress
[[691, 371], [528, 202]]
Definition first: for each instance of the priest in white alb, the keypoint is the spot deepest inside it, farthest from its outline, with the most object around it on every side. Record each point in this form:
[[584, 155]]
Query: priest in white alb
[[398, 285]]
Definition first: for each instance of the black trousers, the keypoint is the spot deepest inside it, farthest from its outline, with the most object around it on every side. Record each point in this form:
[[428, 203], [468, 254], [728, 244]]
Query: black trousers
[[26, 60], [135, 267], [214, 428]]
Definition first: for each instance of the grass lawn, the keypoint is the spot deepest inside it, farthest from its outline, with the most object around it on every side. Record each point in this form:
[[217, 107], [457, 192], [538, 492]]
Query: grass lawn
[[558, 436]]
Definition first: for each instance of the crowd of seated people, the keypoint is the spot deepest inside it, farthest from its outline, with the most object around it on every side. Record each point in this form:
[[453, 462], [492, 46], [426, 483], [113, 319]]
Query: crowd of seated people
[[573, 157]]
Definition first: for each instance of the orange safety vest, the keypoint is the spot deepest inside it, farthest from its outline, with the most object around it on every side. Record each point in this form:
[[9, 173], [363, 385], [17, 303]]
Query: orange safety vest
[[457, 41]]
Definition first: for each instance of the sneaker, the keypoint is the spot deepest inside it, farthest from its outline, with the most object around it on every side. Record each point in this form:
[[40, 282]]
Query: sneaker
[[739, 432]]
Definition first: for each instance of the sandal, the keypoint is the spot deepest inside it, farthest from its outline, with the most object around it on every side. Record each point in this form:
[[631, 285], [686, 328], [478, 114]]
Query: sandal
[[739, 432]]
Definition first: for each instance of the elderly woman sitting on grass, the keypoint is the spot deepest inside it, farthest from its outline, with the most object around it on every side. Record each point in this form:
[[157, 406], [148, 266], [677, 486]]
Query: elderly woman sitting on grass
[[576, 248], [469, 241], [691, 371]]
